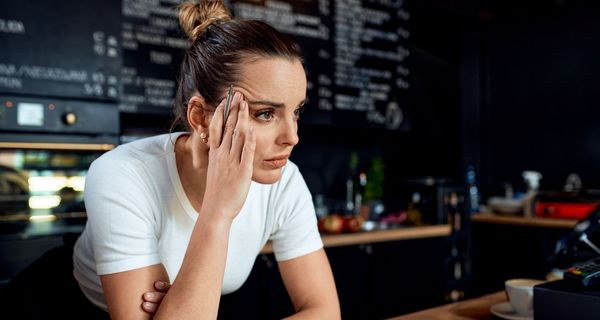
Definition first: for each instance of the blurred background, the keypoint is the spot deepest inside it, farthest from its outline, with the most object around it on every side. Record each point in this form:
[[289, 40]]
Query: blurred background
[[420, 113]]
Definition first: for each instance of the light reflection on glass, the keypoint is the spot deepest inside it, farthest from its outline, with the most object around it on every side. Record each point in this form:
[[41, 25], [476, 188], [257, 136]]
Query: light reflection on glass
[[42, 182], [53, 184], [44, 202], [42, 218]]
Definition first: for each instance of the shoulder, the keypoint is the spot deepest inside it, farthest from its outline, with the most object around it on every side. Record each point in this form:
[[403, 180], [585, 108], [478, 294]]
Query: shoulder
[[133, 155], [135, 163]]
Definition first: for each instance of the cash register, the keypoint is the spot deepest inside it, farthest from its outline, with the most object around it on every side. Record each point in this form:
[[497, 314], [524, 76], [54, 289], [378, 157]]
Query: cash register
[[577, 295]]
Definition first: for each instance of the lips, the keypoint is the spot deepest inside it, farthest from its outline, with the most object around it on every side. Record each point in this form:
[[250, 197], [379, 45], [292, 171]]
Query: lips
[[276, 162]]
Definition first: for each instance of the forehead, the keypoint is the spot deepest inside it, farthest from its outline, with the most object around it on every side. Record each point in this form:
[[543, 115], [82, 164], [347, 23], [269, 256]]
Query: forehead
[[274, 79]]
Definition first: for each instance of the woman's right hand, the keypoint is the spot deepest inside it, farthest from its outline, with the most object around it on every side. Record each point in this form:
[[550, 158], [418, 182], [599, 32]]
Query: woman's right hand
[[231, 157], [152, 299]]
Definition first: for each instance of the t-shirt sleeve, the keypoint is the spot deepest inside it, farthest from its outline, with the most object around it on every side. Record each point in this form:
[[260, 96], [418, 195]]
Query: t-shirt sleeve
[[296, 232], [120, 217]]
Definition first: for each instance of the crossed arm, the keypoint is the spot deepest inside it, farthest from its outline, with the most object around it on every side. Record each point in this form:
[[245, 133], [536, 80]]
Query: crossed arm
[[196, 290], [308, 280]]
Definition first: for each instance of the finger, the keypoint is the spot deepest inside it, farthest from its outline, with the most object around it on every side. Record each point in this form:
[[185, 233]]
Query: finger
[[154, 297], [162, 286], [247, 159], [216, 126], [240, 132], [149, 307], [231, 121]]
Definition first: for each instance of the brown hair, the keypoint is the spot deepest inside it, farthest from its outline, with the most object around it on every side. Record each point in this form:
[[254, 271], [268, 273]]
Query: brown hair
[[219, 46]]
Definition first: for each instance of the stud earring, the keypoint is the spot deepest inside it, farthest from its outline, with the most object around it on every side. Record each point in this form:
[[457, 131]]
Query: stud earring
[[204, 137]]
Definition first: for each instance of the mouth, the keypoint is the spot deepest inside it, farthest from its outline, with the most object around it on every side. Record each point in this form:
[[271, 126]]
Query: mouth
[[277, 162]]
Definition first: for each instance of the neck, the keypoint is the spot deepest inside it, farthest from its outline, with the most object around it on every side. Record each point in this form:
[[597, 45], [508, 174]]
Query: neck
[[192, 164]]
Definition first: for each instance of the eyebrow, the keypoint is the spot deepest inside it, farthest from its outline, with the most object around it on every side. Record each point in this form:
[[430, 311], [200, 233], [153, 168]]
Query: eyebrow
[[272, 103]]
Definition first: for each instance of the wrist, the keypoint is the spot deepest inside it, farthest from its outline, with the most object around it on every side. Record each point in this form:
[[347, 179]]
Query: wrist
[[213, 219], [213, 229]]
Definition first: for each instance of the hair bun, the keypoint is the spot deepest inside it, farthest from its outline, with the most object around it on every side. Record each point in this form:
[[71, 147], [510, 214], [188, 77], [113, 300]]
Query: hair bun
[[194, 18]]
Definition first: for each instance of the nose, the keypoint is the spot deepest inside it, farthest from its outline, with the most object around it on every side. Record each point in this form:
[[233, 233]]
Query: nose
[[288, 133]]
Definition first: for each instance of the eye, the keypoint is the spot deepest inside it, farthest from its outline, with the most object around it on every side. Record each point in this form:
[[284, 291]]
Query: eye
[[298, 111], [264, 115]]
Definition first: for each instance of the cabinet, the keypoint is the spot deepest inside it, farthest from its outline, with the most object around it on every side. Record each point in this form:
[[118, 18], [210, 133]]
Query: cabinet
[[374, 281], [379, 274], [506, 247]]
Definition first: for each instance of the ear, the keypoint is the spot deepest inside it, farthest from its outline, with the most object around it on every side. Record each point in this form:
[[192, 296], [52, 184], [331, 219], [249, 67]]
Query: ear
[[198, 115]]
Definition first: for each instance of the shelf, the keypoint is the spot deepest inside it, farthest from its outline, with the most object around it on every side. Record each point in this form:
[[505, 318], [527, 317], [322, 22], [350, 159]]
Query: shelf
[[406, 233], [523, 221]]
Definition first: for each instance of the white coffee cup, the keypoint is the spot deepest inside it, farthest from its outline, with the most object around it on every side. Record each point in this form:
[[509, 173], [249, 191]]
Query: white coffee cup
[[520, 294]]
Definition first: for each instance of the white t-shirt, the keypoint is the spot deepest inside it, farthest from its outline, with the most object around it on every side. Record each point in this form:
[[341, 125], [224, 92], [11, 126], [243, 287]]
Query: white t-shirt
[[139, 215]]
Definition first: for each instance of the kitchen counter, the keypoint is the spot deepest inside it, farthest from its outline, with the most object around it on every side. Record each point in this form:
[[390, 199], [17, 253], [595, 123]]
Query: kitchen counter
[[472, 309], [404, 233], [523, 221]]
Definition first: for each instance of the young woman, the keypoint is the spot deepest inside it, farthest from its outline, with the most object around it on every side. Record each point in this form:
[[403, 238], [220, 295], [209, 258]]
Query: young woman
[[195, 208]]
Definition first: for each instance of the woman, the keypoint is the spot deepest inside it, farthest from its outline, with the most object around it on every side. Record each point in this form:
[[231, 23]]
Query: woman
[[195, 208]]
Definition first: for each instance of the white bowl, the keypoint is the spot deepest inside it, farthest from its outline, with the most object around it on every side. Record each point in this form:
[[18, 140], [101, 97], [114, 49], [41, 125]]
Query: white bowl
[[505, 205]]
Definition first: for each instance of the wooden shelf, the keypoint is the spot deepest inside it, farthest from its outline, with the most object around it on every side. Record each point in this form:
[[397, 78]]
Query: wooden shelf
[[406, 233], [523, 221]]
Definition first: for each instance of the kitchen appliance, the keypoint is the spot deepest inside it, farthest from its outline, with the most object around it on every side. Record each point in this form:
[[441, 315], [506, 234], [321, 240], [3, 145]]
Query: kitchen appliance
[[563, 300], [566, 205], [46, 147]]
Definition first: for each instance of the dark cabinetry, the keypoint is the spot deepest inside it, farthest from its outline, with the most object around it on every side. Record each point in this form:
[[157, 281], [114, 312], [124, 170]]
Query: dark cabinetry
[[406, 276], [503, 251], [374, 281]]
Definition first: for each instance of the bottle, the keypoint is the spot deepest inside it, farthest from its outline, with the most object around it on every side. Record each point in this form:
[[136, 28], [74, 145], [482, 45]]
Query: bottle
[[373, 191], [361, 207], [320, 207], [532, 180], [351, 181], [454, 216], [413, 214], [472, 189]]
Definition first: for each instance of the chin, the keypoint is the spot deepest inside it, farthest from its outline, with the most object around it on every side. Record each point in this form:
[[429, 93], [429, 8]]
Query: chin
[[266, 176]]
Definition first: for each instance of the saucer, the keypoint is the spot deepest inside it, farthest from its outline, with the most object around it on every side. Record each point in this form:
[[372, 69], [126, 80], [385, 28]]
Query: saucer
[[505, 311]]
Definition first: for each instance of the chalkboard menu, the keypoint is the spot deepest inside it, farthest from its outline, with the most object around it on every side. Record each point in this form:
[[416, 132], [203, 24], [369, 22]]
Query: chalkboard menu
[[152, 50], [129, 51], [60, 48], [355, 52]]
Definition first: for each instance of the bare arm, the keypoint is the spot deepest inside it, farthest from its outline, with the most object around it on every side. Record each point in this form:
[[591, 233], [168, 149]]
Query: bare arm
[[310, 284], [123, 290], [321, 303], [196, 292]]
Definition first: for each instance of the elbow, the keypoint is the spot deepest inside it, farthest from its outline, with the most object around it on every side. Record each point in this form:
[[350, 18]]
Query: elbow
[[329, 311]]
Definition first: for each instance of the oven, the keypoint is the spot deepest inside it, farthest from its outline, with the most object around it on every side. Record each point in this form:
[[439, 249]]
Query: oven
[[46, 148]]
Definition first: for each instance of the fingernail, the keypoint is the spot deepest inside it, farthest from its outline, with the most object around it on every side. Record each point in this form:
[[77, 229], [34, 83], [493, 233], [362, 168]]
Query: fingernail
[[160, 284], [148, 305], [148, 295]]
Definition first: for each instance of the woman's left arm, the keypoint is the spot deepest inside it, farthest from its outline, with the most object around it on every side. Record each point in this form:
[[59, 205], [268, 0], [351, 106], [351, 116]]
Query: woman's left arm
[[309, 282], [314, 297]]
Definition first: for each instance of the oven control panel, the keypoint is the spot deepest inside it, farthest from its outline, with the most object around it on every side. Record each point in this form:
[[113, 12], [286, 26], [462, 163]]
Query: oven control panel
[[34, 115]]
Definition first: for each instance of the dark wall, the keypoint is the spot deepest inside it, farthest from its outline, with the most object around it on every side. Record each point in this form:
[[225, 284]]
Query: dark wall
[[539, 69], [432, 144]]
